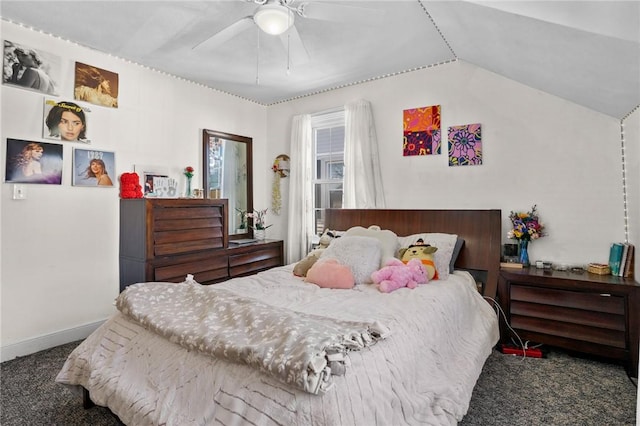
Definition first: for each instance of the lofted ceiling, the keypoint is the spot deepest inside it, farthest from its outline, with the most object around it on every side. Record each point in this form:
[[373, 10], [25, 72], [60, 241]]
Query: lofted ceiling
[[587, 52]]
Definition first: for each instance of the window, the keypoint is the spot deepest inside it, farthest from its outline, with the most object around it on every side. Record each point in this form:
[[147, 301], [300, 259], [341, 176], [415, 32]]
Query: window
[[328, 151]]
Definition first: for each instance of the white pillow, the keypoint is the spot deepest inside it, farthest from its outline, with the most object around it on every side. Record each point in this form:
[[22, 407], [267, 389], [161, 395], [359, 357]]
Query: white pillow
[[360, 254], [388, 240], [445, 244]]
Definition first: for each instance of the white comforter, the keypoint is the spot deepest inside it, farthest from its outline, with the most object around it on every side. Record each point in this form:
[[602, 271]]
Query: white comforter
[[423, 374]]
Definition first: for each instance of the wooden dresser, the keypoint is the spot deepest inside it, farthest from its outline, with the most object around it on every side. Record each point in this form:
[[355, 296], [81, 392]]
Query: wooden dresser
[[166, 239], [581, 312]]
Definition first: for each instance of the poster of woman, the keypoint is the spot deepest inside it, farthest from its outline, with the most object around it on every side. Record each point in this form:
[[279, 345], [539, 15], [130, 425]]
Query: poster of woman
[[65, 121], [33, 162], [93, 168], [29, 68], [96, 86]]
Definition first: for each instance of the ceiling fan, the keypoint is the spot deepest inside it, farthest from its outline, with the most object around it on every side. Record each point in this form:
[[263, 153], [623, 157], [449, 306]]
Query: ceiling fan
[[277, 18]]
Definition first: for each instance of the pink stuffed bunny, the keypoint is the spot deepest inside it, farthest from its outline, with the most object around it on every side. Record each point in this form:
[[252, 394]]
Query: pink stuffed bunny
[[396, 275]]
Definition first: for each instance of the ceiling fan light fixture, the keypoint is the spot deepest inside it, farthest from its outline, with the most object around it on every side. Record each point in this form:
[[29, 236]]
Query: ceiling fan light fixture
[[274, 19]]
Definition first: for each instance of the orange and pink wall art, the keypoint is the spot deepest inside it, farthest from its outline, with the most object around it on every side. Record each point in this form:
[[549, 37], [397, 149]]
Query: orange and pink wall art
[[422, 135]]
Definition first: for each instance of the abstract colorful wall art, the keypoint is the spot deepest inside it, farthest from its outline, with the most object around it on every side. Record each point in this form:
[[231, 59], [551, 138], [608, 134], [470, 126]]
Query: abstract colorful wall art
[[465, 145], [422, 135]]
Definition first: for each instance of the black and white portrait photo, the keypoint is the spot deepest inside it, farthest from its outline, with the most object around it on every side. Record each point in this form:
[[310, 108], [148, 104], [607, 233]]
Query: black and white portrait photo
[[28, 68]]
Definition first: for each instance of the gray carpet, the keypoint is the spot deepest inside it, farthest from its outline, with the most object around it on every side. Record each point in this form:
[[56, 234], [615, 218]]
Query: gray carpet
[[557, 390]]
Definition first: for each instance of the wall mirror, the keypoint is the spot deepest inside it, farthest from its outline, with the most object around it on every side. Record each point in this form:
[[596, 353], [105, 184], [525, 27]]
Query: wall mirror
[[227, 164]]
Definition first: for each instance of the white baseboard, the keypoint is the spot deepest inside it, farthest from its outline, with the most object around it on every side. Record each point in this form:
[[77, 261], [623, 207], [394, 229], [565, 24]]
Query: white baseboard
[[41, 343]]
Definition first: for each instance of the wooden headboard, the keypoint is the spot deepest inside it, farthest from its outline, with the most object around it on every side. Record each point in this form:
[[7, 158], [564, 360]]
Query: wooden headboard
[[481, 230]]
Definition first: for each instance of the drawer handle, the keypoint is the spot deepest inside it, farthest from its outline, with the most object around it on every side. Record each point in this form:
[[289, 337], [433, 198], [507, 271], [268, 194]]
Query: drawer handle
[[605, 294]]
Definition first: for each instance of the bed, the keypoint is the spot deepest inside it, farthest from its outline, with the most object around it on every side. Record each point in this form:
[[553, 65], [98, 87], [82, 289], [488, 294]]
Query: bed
[[411, 356]]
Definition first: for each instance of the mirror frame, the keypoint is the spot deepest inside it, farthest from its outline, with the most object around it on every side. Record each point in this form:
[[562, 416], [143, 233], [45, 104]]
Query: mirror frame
[[206, 135]]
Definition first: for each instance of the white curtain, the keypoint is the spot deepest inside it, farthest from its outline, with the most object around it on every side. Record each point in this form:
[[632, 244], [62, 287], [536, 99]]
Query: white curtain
[[362, 178], [300, 219]]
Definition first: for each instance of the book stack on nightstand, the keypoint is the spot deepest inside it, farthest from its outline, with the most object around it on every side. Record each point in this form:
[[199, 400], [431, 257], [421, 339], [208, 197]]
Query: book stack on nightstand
[[621, 259]]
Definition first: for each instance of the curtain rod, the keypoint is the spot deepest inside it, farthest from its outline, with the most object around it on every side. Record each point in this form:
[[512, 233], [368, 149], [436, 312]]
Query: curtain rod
[[328, 111]]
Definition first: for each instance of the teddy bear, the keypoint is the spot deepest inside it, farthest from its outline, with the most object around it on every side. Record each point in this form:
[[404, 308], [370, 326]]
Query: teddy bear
[[424, 253], [397, 274], [301, 268], [130, 186]]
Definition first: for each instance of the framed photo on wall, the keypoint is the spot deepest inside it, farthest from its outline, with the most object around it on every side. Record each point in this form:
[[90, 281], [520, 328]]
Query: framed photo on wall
[[96, 86], [29, 68], [64, 121], [92, 167], [33, 162]]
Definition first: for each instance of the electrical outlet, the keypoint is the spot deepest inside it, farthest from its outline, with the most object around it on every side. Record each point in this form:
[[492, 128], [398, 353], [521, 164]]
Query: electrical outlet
[[19, 192]]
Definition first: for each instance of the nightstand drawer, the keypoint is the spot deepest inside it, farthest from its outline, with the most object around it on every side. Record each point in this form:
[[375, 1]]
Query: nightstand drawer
[[570, 299], [571, 330], [588, 317], [568, 315]]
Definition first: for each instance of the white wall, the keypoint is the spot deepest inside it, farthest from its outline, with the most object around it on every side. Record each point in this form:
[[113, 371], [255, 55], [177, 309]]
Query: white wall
[[537, 149], [59, 265]]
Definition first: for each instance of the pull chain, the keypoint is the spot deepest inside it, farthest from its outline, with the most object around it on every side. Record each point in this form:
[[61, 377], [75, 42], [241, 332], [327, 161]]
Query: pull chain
[[288, 54]]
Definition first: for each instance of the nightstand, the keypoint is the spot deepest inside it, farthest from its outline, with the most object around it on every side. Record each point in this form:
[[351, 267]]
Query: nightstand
[[581, 312]]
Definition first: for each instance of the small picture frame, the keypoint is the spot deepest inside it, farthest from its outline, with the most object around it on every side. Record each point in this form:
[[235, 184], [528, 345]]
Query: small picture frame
[[92, 167], [33, 162], [156, 181]]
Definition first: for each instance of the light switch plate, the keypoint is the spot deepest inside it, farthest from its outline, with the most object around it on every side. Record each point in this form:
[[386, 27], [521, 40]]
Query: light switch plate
[[19, 192]]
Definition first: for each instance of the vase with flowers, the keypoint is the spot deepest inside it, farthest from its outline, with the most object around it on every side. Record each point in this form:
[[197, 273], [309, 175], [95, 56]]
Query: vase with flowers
[[526, 227], [258, 219], [188, 172]]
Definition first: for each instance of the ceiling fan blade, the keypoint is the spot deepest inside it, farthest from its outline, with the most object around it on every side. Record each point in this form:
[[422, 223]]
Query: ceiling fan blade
[[295, 46], [338, 13], [225, 35]]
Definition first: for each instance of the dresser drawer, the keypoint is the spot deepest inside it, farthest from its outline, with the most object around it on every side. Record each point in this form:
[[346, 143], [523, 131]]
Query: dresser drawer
[[185, 229], [255, 260], [206, 267]]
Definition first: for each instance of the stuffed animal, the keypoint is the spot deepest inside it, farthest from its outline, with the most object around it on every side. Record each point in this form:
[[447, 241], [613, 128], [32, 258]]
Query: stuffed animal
[[330, 273], [326, 238], [396, 275], [388, 240], [424, 253], [130, 186], [301, 268]]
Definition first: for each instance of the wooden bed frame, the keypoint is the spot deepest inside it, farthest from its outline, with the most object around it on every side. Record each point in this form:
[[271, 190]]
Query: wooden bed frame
[[481, 230]]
